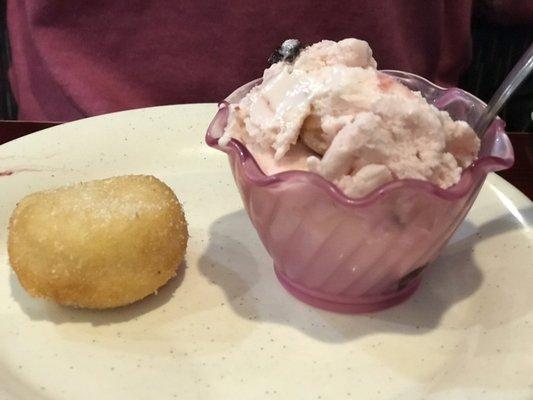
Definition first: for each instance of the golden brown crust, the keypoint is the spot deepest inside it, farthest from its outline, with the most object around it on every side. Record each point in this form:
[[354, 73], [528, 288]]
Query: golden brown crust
[[98, 244]]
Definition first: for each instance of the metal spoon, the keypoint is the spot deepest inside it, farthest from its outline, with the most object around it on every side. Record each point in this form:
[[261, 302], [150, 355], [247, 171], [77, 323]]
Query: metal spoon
[[512, 81]]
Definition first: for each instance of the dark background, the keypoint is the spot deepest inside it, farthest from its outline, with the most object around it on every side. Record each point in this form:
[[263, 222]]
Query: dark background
[[8, 109], [496, 48]]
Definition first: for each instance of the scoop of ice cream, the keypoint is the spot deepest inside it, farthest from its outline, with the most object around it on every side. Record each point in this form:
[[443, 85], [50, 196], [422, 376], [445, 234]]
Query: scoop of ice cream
[[333, 113], [347, 52]]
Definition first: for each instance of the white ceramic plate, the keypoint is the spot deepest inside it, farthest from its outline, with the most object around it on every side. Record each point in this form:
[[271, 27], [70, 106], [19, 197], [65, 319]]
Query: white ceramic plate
[[226, 329]]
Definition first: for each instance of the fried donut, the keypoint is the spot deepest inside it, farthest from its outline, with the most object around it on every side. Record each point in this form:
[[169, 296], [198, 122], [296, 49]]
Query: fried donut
[[99, 244]]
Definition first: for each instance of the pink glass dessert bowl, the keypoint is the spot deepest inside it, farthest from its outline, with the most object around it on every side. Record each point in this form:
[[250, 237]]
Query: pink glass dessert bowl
[[359, 255]]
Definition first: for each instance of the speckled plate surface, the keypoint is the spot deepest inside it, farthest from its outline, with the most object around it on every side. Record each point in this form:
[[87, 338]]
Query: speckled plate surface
[[225, 328]]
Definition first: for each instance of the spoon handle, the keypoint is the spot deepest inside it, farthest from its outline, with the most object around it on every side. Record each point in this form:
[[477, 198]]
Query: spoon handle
[[517, 75]]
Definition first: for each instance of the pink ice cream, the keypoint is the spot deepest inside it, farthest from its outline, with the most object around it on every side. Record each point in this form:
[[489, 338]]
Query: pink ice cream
[[333, 113]]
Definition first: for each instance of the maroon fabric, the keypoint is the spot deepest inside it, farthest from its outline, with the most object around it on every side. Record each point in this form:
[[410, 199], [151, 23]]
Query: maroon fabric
[[72, 59]]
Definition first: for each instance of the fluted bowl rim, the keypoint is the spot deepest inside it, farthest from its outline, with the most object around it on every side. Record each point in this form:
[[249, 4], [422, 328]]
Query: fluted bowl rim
[[481, 166]]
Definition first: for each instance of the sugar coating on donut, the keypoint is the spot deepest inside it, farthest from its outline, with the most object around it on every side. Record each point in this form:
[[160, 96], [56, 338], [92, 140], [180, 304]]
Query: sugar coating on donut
[[98, 244]]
